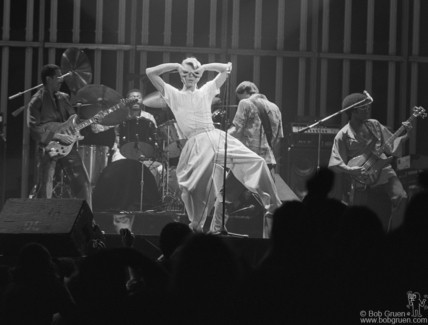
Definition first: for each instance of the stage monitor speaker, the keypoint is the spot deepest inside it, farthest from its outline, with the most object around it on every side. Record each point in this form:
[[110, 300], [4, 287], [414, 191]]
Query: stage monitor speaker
[[64, 226], [302, 165]]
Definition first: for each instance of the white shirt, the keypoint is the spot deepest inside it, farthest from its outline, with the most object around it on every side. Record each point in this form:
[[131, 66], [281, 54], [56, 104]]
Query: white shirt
[[192, 109]]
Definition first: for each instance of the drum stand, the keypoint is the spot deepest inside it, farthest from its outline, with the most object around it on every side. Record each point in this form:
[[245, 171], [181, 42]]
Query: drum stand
[[141, 161], [169, 200], [61, 189]]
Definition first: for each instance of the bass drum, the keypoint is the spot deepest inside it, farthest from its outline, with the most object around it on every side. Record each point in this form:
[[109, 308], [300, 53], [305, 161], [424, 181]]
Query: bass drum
[[119, 188]]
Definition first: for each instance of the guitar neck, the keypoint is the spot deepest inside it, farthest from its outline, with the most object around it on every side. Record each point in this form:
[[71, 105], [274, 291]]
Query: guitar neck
[[397, 133], [84, 124], [97, 116]]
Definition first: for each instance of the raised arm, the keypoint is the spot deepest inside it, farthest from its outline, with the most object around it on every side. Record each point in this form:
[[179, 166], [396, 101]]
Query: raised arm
[[222, 68], [155, 72]]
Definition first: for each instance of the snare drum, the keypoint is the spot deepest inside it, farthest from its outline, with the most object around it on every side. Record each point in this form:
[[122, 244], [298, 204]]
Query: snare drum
[[137, 138], [174, 142], [95, 159]]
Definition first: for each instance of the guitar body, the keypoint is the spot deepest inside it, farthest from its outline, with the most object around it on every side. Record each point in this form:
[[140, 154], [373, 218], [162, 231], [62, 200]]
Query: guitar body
[[373, 165], [374, 161], [55, 148]]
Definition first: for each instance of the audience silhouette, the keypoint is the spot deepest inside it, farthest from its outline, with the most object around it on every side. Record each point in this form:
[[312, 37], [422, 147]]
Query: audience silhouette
[[326, 263], [36, 293], [171, 238]]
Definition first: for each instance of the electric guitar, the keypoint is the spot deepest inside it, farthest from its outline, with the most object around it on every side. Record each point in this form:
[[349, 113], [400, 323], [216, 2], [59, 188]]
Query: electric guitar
[[374, 161], [56, 149]]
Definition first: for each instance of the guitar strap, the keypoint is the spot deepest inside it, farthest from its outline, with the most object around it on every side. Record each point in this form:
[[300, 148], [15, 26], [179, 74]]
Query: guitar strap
[[372, 129], [61, 109], [265, 120]]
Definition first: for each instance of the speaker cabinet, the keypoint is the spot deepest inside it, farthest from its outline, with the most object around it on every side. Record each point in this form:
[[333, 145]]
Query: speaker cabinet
[[301, 164], [64, 226]]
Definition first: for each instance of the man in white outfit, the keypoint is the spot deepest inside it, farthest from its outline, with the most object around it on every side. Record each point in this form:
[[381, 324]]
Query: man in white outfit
[[200, 168]]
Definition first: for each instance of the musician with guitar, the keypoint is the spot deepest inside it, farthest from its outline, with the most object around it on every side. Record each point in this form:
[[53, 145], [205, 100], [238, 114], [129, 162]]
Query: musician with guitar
[[46, 113], [363, 150]]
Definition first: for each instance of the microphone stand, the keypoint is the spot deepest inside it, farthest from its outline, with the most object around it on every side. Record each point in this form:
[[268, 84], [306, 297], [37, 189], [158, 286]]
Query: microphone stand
[[223, 230], [369, 98], [18, 111], [30, 89], [3, 147]]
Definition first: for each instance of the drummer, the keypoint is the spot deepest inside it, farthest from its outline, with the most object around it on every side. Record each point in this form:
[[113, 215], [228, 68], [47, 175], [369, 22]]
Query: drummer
[[137, 111]]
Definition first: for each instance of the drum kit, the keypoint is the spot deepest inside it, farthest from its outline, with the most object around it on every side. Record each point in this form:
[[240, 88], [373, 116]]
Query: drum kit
[[150, 153], [144, 147], [145, 178]]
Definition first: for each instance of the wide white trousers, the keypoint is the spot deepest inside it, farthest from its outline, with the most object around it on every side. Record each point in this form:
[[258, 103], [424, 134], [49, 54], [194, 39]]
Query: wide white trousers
[[200, 174]]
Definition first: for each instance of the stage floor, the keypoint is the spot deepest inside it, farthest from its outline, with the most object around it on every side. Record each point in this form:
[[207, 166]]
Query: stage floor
[[150, 223]]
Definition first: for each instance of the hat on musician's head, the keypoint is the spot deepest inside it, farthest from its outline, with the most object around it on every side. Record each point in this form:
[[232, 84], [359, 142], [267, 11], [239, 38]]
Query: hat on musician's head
[[354, 99], [357, 99], [247, 87]]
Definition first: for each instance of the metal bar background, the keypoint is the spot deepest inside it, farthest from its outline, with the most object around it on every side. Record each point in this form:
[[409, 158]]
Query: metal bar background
[[313, 53]]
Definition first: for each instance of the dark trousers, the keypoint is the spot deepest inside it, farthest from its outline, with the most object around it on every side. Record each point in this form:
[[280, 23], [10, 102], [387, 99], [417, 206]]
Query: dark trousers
[[73, 167], [391, 215]]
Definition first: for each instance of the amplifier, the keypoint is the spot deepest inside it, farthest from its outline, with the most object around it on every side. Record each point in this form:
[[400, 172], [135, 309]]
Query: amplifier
[[310, 137], [296, 127], [410, 180], [412, 162]]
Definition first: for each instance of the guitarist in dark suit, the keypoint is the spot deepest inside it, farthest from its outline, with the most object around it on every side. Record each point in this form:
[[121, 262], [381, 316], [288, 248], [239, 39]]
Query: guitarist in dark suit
[[47, 109], [359, 137]]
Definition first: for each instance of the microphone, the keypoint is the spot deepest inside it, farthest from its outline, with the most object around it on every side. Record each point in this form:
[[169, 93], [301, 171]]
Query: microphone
[[370, 98], [66, 75]]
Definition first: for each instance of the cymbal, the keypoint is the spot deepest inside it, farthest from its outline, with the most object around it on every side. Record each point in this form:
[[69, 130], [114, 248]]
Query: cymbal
[[76, 62], [95, 98]]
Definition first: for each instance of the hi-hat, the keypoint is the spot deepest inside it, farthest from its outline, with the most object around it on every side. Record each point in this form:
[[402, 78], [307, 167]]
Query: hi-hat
[[76, 64], [95, 98]]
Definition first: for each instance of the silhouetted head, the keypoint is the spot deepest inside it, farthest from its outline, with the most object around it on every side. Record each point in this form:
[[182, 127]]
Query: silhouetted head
[[172, 236], [204, 280], [34, 259], [321, 183], [209, 257]]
